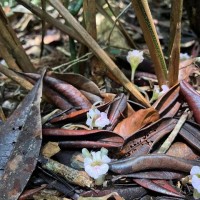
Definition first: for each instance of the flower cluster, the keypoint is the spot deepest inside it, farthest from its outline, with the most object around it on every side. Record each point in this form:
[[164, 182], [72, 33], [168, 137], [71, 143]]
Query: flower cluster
[[96, 164], [97, 119], [195, 174]]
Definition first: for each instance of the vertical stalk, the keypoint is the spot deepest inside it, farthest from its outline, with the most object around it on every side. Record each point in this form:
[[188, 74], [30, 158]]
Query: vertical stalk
[[13, 45], [174, 45], [145, 19]]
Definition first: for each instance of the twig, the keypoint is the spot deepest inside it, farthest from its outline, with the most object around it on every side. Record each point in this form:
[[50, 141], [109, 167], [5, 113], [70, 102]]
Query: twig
[[165, 146], [15, 77], [120, 26]]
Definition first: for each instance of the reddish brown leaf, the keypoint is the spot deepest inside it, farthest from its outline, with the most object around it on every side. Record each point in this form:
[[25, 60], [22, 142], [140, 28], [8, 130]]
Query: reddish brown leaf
[[152, 162], [143, 140], [158, 187], [116, 109], [163, 175], [166, 103], [78, 81], [182, 150], [193, 99], [72, 94], [84, 138], [21, 142], [76, 115], [137, 120], [53, 97]]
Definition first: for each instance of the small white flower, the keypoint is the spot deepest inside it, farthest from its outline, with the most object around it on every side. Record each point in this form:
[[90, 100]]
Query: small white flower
[[157, 93], [97, 119], [195, 173], [134, 57], [96, 164], [165, 89], [184, 56]]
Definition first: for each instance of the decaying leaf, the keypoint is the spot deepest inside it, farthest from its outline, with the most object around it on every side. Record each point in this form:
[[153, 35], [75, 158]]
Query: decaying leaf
[[193, 99], [152, 162], [157, 187], [137, 120], [20, 141], [84, 138]]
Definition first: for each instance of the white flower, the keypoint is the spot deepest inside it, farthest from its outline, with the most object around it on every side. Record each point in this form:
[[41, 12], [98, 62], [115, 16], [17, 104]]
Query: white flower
[[157, 93], [97, 119], [195, 173], [165, 89], [96, 164], [184, 56], [134, 57]]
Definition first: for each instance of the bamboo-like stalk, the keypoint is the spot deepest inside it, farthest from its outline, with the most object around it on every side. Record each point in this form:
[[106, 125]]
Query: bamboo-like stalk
[[175, 37], [99, 52], [8, 58], [15, 77], [13, 45], [145, 19], [89, 9]]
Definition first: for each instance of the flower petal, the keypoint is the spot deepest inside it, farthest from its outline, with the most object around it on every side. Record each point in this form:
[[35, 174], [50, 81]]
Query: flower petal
[[195, 170], [196, 183], [135, 55], [102, 120], [105, 159], [89, 122], [91, 171], [87, 161], [103, 169]]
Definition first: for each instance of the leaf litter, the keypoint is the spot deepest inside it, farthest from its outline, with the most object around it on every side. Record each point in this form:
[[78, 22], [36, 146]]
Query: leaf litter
[[133, 138]]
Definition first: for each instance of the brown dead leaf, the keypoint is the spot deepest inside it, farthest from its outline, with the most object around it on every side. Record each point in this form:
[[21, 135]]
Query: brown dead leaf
[[186, 69], [136, 121], [182, 150]]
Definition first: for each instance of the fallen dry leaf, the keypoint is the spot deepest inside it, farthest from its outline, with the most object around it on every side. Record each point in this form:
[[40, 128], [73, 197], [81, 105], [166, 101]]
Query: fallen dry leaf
[[137, 120]]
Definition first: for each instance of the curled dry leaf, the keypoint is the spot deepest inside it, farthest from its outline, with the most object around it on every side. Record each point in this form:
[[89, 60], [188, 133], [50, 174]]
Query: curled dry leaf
[[165, 104], [143, 141], [72, 94], [137, 120], [84, 138], [193, 99], [78, 81], [116, 109], [162, 187], [150, 162], [159, 174]]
